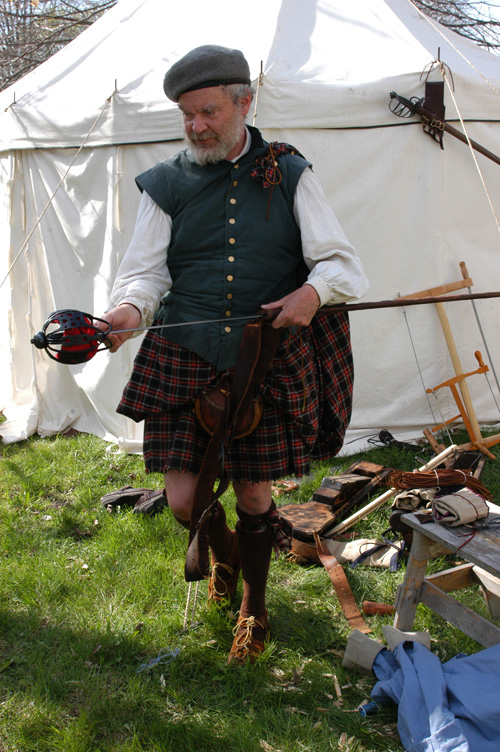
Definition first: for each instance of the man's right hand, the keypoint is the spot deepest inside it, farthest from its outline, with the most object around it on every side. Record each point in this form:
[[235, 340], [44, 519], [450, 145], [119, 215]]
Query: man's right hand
[[124, 316]]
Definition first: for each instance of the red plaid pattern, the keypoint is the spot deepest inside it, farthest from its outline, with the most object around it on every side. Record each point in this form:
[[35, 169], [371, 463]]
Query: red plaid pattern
[[307, 395]]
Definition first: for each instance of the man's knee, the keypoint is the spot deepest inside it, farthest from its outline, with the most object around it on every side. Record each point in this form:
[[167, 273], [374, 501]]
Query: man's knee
[[253, 498], [180, 493]]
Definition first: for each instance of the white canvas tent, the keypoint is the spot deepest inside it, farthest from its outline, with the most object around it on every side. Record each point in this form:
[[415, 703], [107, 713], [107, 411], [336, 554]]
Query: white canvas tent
[[75, 132]]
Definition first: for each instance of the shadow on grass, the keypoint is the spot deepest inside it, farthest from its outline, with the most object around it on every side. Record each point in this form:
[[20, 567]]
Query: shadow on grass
[[83, 690]]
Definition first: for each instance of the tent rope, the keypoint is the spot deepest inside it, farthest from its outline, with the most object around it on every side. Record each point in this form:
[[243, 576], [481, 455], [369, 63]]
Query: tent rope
[[419, 369], [446, 80], [443, 67], [457, 50], [61, 181]]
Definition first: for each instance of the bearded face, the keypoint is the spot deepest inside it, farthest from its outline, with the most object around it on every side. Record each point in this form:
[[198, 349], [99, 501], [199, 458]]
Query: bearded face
[[214, 124], [210, 147]]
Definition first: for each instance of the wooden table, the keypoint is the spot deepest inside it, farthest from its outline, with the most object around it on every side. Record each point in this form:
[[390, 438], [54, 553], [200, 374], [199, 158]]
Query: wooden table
[[482, 565]]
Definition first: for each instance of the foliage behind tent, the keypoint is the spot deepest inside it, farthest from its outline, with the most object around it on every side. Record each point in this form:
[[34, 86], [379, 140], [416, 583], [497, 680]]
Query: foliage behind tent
[[31, 31]]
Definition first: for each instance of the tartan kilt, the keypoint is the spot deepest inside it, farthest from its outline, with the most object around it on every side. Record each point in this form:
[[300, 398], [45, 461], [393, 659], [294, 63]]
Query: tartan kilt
[[307, 399]]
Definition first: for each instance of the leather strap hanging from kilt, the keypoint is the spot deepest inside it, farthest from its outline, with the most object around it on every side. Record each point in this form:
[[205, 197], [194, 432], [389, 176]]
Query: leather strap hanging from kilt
[[257, 349]]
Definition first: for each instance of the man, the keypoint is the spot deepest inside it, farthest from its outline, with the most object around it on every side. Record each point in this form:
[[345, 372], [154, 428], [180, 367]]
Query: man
[[226, 227]]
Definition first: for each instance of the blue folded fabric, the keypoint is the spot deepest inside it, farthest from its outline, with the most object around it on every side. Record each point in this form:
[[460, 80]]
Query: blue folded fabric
[[450, 707]]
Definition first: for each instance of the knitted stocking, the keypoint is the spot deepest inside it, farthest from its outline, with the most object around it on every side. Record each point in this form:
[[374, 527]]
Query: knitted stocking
[[255, 542]]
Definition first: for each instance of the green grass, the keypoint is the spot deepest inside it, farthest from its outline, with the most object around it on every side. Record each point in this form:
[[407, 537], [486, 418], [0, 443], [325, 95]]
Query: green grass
[[88, 599]]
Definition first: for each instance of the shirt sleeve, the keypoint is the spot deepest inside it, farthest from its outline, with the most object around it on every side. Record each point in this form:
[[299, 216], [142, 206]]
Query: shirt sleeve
[[335, 270], [143, 275]]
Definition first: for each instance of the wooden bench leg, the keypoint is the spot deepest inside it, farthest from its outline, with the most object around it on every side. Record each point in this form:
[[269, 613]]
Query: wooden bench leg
[[408, 596], [491, 587], [409, 593]]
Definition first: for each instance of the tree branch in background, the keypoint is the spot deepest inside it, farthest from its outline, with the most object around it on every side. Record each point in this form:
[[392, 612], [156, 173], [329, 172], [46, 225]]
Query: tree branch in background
[[31, 31]]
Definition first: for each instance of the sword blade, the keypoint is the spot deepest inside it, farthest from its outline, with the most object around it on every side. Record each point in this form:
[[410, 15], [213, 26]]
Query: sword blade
[[189, 323]]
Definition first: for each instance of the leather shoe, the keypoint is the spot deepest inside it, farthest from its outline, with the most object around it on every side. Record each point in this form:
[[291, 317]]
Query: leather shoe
[[251, 636]]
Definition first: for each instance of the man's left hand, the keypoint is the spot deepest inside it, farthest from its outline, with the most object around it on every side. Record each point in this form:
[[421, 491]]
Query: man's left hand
[[297, 308]]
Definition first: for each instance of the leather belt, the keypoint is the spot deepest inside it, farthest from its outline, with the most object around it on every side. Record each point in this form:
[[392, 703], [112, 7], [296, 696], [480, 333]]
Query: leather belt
[[257, 349], [342, 588]]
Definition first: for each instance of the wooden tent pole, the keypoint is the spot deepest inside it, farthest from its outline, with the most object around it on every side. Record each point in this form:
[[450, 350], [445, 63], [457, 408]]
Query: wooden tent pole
[[462, 384]]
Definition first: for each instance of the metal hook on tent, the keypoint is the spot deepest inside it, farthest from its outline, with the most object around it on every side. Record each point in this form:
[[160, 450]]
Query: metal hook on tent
[[12, 103], [443, 67]]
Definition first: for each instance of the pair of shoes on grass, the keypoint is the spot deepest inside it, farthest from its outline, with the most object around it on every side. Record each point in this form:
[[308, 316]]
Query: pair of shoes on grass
[[144, 501]]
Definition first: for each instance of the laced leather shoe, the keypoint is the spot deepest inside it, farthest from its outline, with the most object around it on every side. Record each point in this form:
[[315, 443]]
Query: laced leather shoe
[[224, 577], [251, 636]]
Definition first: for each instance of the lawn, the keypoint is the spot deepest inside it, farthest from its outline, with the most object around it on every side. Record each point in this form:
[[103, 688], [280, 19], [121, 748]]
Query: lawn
[[99, 652]]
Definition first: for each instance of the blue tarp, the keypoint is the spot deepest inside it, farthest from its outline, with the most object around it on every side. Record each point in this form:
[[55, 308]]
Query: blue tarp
[[449, 707]]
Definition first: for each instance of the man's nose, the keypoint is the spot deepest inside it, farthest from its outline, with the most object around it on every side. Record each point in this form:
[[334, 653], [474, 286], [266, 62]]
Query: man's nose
[[199, 124]]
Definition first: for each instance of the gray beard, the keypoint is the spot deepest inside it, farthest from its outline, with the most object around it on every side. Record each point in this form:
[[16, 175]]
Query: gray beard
[[203, 156], [225, 143]]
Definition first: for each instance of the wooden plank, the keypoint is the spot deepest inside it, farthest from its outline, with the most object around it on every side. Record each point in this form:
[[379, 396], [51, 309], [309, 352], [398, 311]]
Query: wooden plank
[[487, 580], [308, 518], [462, 617], [363, 467], [440, 290], [335, 489], [456, 578], [493, 605], [408, 595], [491, 587], [482, 549]]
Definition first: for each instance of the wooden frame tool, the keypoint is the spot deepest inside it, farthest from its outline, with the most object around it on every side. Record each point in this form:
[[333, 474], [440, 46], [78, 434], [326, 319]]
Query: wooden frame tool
[[463, 400]]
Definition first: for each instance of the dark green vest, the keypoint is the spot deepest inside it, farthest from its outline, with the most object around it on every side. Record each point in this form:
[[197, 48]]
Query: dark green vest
[[234, 245]]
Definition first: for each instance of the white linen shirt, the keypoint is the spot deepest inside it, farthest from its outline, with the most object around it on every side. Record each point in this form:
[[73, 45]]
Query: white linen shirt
[[335, 270]]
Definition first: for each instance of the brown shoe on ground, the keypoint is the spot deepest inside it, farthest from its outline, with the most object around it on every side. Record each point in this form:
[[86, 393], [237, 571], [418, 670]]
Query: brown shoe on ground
[[251, 637], [224, 577]]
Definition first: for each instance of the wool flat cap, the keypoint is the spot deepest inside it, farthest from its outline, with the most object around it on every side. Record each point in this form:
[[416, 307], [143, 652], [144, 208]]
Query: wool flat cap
[[209, 65]]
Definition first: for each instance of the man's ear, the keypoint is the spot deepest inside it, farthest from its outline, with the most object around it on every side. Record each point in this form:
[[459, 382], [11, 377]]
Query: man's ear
[[245, 103]]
